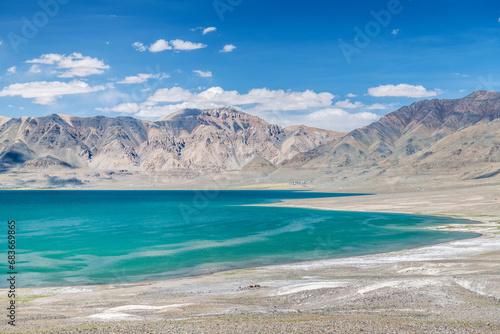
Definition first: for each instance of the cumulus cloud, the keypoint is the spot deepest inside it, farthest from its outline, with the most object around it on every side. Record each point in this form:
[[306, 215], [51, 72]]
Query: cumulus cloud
[[159, 46], [186, 45], [203, 74], [381, 106], [348, 104], [277, 106], [142, 77], [156, 111], [402, 90], [265, 99], [12, 70], [74, 65], [35, 69], [139, 46], [162, 45], [209, 30], [123, 108], [46, 93], [174, 94], [228, 48], [256, 100], [351, 95], [204, 30], [338, 119]]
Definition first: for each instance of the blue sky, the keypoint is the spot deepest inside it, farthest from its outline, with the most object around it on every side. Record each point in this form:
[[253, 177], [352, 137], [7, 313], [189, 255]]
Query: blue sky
[[331, 64]]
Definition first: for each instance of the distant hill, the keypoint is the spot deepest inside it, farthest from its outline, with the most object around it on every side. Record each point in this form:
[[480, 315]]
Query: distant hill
[[428, 133]]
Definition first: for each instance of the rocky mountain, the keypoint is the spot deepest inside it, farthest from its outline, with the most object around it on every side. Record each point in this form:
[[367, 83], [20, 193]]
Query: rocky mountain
[[192, 140], [427, 133]]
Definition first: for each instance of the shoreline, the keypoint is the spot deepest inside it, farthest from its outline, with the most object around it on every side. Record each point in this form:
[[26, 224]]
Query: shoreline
[[460, 272]]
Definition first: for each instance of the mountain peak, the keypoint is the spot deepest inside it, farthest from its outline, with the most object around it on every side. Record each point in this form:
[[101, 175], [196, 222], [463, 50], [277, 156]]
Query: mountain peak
[[483, 95], [180, 114]]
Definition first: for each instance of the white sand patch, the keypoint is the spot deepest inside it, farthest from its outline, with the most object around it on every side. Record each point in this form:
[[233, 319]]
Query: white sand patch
[[145, 307], [308, 286], [461, 249], [488, 289], [71, 290], [116, 313], [115, 316], [399, 284], [378, 286], [419, 271], [57, 291]]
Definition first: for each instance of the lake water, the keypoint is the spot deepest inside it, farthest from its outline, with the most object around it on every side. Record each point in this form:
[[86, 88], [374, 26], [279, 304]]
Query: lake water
[[92, 237]]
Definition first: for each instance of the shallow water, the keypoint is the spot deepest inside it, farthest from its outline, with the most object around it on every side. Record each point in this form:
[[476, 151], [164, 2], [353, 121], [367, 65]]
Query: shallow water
[[92, 237]]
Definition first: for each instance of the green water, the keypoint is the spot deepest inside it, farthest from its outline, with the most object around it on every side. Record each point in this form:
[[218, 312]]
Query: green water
[[91, 237]]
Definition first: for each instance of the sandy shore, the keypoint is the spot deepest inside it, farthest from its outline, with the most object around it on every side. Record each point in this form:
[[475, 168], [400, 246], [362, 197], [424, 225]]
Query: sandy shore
[[446, 288]]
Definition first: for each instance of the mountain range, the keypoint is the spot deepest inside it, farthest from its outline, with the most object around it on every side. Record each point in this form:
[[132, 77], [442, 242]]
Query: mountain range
[[195, 140], [426, 134]]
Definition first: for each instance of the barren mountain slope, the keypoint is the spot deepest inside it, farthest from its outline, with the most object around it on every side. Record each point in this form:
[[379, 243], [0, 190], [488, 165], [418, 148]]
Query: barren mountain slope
[[405, 132], [215, 140]]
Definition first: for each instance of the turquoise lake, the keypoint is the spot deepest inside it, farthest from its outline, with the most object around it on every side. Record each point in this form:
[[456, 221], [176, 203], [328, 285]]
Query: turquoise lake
[[100, 237]]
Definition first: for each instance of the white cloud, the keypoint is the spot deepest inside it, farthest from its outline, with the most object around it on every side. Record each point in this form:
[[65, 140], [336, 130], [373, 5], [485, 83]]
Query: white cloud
[[142, 77], [139, 46], [395, 32], [160, 111], [209, 30], [348, 104], [46, 93], [12, 70], [1, 42], [202, 74], [159, 46], [124, 108], [402, 90], [338, 119], [277, 106], [228, 48], [258, 100], [351, 95], [162, 45], [113, 97], [186, 46], [35, 69], [75, 65], [380, 106], [174, 94]]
